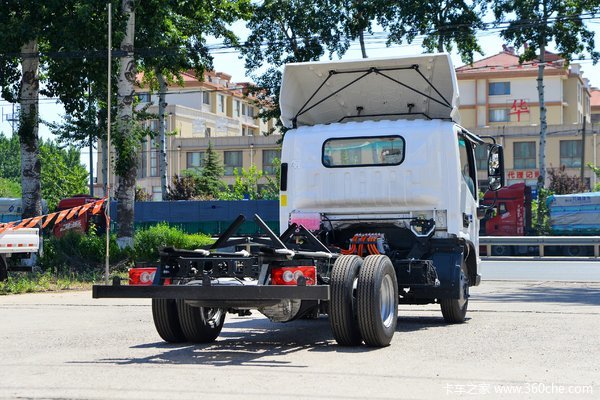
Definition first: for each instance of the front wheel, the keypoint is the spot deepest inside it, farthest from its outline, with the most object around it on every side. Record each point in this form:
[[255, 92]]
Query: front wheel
[[200, 324], [454, 311], [377, 300]]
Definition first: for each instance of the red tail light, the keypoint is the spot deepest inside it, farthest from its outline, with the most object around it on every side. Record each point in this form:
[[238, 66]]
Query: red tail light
[[291, 275], [141, 276]]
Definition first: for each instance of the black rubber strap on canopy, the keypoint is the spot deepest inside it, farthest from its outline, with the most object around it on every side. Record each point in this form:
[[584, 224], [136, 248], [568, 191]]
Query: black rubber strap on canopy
[[366, 72]]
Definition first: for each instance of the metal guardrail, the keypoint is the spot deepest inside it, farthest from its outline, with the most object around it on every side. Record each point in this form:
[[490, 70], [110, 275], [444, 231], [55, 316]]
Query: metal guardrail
[[540, 241]]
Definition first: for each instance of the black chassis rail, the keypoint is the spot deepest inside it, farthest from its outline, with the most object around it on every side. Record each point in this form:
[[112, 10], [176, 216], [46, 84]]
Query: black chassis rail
[[203, 269], [234, 296]]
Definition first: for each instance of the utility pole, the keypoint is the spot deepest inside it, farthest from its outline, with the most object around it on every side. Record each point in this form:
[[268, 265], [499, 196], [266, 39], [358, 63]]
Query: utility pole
[[91, 139], [583, 150]]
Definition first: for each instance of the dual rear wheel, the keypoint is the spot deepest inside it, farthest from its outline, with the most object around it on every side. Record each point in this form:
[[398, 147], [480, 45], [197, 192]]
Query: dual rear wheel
[[364, 300], [178, 322]]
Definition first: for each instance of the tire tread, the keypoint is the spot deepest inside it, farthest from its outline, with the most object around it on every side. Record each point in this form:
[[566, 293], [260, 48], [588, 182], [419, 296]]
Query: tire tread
[[342, 318], [166, 320]]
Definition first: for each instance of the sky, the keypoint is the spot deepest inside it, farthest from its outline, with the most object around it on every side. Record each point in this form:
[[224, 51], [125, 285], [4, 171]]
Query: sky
[[228, 61]]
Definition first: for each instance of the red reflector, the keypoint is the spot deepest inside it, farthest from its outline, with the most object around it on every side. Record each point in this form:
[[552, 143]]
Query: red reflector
[[291, 275], [141, 276]]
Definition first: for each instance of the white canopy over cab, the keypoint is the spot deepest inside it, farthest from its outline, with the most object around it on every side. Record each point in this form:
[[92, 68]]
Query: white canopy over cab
[[410, 87]]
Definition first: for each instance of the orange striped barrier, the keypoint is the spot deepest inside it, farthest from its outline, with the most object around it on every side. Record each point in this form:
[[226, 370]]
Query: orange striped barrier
[[60, 216]]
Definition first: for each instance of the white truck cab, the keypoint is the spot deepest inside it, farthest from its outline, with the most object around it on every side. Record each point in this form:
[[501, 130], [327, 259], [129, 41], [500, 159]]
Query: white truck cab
[[376, 162]]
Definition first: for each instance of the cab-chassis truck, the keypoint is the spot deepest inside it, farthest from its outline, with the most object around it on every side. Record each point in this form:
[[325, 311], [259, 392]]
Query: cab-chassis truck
[[378, 206]]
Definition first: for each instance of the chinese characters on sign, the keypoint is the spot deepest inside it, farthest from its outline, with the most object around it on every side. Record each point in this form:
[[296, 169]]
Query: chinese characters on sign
[[523, 174], [519, 107]]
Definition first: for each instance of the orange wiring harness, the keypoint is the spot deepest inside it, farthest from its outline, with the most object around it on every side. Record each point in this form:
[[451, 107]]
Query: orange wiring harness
[[362, 243]]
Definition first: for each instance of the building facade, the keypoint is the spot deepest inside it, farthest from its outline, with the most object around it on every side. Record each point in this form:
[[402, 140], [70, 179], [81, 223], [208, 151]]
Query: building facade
[[499, 98], [214, 111]]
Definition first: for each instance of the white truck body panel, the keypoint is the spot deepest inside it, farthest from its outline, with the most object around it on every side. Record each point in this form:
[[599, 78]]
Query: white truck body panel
[[26, 240], [424, 182], [433, 89]]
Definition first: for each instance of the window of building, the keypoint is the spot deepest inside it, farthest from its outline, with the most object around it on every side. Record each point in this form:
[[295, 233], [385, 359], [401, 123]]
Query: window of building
[[524, 155], [195, 159], [232, 160], [143, 97], [142, 162], [153, 158], [156, 193], [244, 109], [499, 115], [570, 153], [250, 111], [499, 88], [268, 157], [221, 102], [578, 92], [236, 108], [354, 152], [481, 157], [206, 97]]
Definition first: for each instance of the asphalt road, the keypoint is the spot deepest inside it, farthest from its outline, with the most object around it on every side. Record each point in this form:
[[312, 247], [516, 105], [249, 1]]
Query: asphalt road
[[528, 270], [539, 338]]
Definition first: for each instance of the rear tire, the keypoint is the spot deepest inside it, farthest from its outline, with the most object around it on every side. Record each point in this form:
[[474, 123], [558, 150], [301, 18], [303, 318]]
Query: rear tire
[[200, 324], [454, 311], [377, 300], [166, 320], [342, 307], [3, 269]]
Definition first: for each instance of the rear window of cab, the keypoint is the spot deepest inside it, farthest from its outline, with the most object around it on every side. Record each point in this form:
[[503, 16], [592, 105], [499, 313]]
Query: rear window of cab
[[363, 151]]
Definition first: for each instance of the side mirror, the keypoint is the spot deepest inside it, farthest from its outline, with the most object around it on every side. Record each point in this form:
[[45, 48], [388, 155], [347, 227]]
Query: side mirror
[[495, 167]]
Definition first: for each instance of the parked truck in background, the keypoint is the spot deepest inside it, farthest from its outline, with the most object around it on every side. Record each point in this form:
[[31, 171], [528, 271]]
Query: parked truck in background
[[570, 215], [20, 246], [83, 221], [378, 206]]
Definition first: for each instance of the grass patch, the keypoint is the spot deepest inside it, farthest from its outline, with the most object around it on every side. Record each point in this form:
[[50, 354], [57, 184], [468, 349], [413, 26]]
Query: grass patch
[[30, 282], [76, 261]]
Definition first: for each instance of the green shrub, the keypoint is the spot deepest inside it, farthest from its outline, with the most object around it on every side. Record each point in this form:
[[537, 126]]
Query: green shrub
[[77, 253], [148, 241]]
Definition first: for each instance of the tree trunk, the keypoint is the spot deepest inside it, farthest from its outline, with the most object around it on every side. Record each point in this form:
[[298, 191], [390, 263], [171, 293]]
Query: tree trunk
[[104, 166], [126, 163], [543, 125], [440, 43], [162, 104], [28, 130], [361, 40]]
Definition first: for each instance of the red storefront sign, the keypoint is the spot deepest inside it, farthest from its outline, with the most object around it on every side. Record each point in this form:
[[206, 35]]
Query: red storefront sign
[[522, 174]]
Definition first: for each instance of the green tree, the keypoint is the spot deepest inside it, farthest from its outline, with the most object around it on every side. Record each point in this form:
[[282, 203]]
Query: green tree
[[597, 172], [22, 27], [535, 24], [245, 185], [183, 187], [181, 25], [444, 24], [61, 174], [9, 188], [209, 183], [356, 18], [285, 31], [562, 183], [10, 167]]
